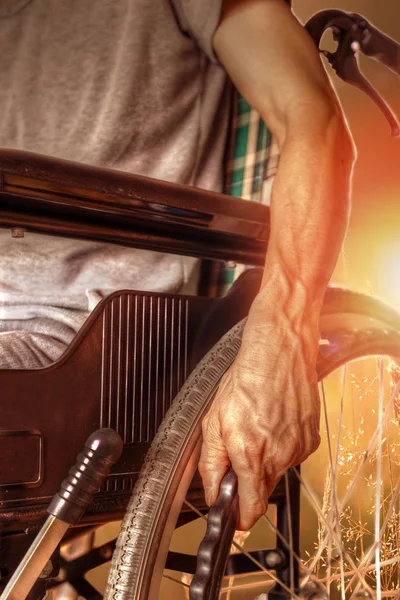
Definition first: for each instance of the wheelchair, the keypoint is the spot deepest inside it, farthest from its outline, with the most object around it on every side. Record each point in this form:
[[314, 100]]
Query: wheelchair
[[123, 370], [135, 354]]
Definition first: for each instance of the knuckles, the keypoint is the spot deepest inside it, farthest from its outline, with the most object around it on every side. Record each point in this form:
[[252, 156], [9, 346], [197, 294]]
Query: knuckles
[[250, 445]]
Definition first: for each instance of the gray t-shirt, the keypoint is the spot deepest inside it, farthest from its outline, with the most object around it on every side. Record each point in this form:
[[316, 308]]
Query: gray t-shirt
[[127, 84]]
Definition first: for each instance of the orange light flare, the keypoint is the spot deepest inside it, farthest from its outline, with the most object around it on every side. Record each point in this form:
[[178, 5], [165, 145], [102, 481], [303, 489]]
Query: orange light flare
[[370, 261]]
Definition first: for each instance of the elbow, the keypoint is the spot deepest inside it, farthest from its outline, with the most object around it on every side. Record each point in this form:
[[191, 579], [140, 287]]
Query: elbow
[[336, 133], [340, 143], [320, 124], [323, 121]]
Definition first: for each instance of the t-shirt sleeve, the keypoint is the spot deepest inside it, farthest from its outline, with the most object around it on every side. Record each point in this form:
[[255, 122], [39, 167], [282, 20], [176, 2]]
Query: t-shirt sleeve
[[199, 19]]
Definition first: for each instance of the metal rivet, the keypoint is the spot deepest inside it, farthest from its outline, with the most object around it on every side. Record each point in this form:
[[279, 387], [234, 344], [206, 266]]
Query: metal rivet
[[18, 232], [273, 559]]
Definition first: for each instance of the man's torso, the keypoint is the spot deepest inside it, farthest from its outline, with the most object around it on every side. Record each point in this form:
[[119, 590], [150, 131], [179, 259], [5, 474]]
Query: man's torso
[[110, 83]]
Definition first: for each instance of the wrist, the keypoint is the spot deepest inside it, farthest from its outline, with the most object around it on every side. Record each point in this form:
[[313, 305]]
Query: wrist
[[272, 338], [287, 301], [282, 321]]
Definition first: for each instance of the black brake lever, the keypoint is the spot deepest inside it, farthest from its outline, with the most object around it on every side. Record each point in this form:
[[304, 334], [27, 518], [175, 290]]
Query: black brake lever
[[355, 34]]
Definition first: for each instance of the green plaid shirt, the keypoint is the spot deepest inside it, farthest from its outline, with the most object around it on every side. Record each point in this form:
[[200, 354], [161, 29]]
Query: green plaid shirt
[[252, 156], [250, 165]]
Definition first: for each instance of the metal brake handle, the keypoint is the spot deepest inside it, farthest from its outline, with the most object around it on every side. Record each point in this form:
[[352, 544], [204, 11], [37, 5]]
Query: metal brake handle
[[355, 34]]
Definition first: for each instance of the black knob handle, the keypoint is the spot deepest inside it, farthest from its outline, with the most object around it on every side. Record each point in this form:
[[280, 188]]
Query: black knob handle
[[102, 450]]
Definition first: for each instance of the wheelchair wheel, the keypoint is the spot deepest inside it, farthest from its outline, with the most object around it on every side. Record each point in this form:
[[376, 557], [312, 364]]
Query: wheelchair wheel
[[345, 558]]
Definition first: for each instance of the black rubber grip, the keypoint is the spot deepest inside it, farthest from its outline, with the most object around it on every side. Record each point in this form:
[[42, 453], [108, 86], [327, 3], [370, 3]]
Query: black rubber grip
[[102, 450], [213, 552]]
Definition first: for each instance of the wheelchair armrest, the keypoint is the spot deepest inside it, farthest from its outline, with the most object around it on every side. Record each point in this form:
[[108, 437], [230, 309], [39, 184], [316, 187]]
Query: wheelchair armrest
[[58, 197]]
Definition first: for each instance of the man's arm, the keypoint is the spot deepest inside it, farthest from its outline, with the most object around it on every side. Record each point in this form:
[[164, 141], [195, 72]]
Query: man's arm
[[265, 417]]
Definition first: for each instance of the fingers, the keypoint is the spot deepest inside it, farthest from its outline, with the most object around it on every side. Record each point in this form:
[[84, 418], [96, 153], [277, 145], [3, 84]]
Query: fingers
[[253, 494], [259, 470], [312, 433], [213, 464], [214, 460], [257, 477]]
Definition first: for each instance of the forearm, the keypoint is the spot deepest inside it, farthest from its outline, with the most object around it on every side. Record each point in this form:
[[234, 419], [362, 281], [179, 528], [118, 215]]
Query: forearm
[[310, 208]]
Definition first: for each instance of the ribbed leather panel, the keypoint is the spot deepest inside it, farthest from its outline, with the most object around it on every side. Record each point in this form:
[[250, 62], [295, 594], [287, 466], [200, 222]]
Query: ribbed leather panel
[[144, 362]]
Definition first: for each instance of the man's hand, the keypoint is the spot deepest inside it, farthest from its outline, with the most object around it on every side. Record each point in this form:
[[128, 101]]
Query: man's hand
[[265, 416]]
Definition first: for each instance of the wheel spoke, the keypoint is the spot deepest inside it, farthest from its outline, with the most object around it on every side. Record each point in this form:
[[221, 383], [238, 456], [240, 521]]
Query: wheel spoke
[[182, 583], [370, 567], [290, 531], [330, 529], [194, 509], [242, 586], [334, 503], [379, 485], [287, 545], [364, 459], [273, 577], [378, 530], [370, 553], [372, 443]]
